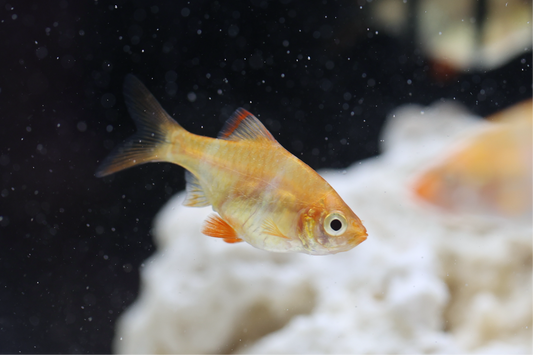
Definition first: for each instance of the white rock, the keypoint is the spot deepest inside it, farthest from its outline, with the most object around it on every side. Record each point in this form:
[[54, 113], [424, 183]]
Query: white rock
[[421, 283]]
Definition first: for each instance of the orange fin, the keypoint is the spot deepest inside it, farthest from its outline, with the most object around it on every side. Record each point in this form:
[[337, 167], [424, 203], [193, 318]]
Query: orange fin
[[270, 228], [218, 228], [242, 125], [232, 240]]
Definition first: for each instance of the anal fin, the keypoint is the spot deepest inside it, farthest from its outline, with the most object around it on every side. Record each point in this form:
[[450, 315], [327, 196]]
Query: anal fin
[[216, 227], [195, 194]]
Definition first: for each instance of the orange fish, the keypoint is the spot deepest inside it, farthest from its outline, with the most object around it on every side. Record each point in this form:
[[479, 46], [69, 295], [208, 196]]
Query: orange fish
[[263, 194], [488, 173]]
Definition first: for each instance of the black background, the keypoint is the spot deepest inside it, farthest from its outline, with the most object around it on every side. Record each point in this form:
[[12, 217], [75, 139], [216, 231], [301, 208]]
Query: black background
[[316, 73]]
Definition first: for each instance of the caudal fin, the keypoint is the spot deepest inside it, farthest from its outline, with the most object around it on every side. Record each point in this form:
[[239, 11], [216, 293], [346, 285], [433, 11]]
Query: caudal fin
[[154, 127]]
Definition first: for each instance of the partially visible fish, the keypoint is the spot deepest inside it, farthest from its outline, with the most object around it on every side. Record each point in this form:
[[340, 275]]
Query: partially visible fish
[[488, 173], [263, 194], [452, 45]]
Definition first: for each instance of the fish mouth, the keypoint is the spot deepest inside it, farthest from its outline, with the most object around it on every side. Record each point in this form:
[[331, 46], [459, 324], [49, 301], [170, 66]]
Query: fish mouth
[[358, 239], [360, 236]]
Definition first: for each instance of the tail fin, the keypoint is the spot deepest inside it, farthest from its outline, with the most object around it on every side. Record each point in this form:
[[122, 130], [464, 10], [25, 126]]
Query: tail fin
[[154, 127]]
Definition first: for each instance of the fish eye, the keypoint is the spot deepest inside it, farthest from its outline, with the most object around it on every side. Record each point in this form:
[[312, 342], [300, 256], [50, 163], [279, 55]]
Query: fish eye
[[335, 224]]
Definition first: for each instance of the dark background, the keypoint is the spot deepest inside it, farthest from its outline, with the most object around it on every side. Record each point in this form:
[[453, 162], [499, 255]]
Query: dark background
[[316, 73]]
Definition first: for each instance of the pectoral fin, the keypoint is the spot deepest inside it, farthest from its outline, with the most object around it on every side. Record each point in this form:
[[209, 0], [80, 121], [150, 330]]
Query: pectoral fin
[[218, 228], [270, 228]]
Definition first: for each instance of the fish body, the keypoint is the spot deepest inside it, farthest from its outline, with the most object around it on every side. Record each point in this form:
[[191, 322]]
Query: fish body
[[489, 172], [263, 194]]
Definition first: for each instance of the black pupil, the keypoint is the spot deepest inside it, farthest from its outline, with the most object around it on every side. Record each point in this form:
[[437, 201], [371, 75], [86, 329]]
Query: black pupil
[[335, 224]]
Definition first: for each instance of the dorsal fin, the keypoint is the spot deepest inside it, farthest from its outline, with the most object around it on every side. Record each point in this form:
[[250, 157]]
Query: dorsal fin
[[242, 125]]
